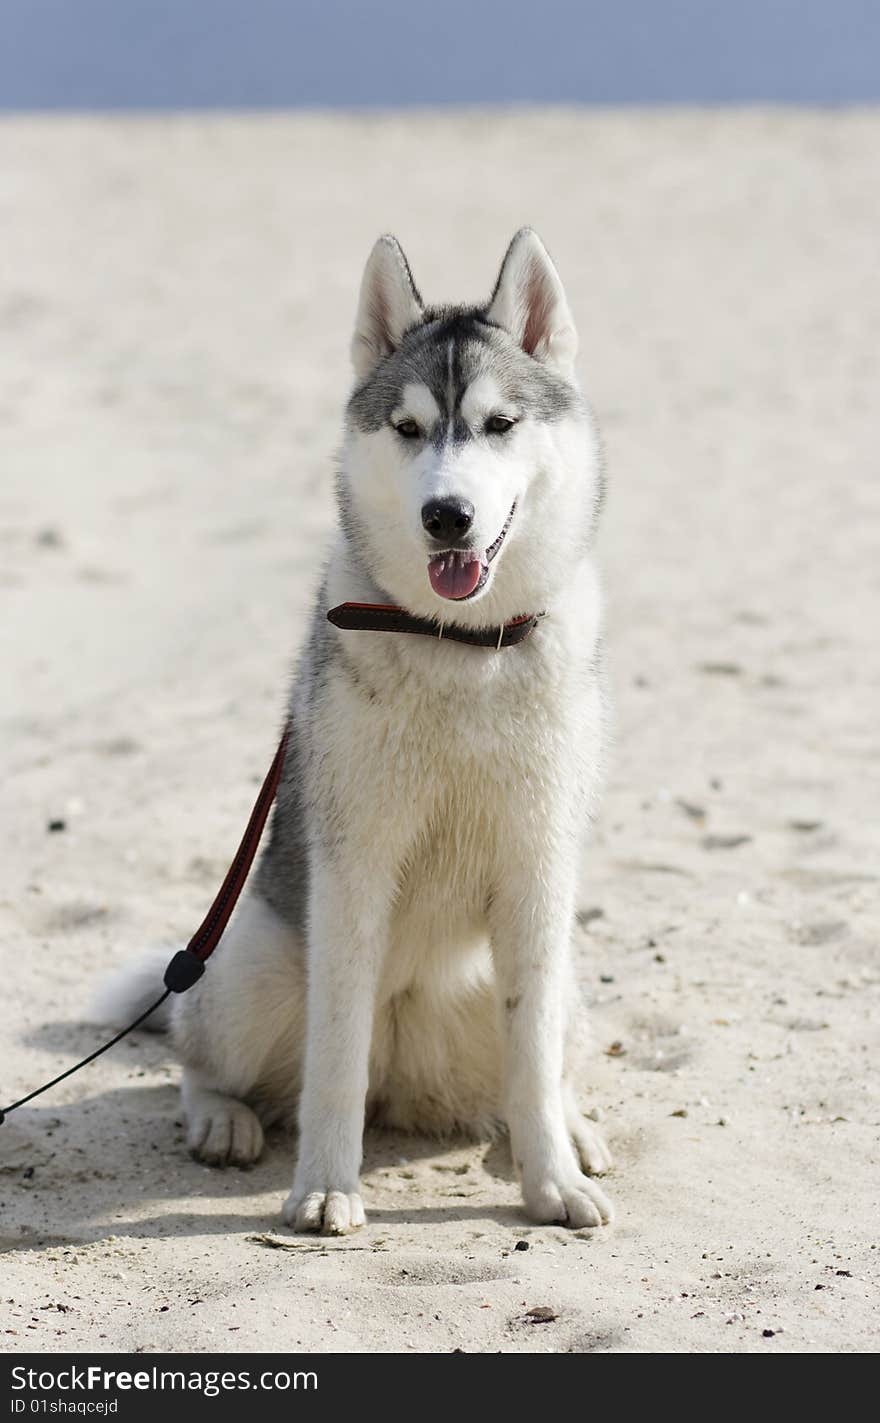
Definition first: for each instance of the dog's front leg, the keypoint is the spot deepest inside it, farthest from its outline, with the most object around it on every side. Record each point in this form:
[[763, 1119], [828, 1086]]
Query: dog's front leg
[[348, 932], [532, 914]]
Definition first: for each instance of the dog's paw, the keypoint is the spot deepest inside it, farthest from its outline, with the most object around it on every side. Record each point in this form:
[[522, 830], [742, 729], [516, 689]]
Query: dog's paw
[[224, 1132], [330, 1212], [595, 1158], [574, 1200]]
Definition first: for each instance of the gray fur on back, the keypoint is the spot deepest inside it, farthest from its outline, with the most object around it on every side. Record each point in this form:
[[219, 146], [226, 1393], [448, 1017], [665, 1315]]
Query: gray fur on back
[[282, 876]]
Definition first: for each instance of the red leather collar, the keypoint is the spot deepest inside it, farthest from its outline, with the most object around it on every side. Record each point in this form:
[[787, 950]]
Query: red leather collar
[[385, 617]]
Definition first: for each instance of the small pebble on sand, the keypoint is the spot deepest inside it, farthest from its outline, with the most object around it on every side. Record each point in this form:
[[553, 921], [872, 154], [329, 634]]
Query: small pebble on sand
[[587, 916], [724, 842]]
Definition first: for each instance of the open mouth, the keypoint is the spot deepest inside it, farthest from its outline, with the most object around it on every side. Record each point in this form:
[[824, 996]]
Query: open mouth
[[461, 573]]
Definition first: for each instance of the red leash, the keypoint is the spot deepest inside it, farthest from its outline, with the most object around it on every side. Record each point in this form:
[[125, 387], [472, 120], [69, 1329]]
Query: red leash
[[188, 965]]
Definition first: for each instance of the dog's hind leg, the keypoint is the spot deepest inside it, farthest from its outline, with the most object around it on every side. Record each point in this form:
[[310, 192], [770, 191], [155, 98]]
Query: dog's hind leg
[[239, 1033], [594, 1156], [220, 1130]]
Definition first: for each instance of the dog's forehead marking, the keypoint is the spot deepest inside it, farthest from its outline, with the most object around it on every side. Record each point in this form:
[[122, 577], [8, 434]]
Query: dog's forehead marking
[[416, 402], [450, 377], [483, 397], [450, 389]]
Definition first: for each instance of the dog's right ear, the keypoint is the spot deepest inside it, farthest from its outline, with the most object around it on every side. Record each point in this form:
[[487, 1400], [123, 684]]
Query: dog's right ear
[[389, 304], [530, 303]]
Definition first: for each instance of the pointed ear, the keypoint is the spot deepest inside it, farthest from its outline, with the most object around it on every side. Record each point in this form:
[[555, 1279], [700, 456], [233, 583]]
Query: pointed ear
[[389, 303], [529, 302]]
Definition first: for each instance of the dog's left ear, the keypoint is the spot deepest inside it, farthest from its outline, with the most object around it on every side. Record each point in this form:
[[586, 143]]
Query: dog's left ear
[[530, 303], [389, 303]]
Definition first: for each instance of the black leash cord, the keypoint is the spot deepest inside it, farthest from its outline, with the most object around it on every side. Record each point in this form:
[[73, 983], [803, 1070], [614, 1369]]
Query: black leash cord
[[4, 1111], [184, 970]]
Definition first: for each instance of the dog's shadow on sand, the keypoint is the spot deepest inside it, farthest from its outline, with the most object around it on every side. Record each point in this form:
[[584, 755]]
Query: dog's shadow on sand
[[73, 1172]]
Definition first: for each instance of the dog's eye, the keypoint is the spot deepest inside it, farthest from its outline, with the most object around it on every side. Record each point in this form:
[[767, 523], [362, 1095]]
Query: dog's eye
[[499, 424], [408, 429]]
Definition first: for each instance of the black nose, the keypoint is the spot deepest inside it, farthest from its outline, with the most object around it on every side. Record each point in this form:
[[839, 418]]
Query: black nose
[[447, 519]]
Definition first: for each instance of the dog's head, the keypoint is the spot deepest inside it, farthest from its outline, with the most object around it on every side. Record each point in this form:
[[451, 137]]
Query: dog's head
[[470, 469]]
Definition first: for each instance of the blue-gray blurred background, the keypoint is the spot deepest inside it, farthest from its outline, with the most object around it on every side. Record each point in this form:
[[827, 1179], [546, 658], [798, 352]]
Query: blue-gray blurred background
[[194, 54]]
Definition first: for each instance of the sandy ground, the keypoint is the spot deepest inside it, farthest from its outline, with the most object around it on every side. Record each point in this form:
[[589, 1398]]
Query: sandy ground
[[176, 299]]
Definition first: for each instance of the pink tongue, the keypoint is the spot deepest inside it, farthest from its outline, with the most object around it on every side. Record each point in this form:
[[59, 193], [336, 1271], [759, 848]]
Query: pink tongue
[[454, 575]]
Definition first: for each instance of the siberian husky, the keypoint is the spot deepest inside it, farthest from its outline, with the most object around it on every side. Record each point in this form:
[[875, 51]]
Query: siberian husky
[[404, 950]]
